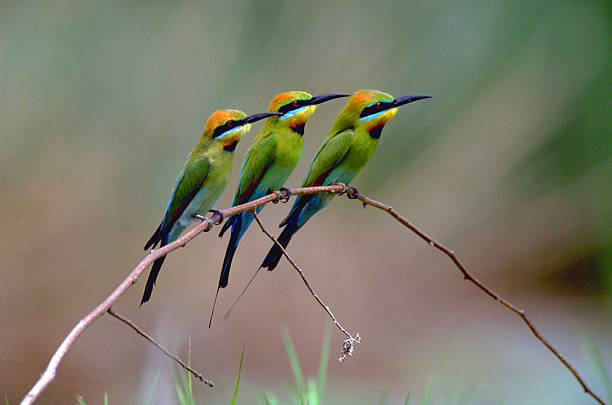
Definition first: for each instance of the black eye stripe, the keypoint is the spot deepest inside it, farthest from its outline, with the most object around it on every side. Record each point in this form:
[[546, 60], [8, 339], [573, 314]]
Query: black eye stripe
[[293, 105], [375, 108], [226, 127]]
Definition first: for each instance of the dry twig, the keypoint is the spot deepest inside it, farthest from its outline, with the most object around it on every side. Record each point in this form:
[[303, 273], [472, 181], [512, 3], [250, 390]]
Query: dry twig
[[352, 193], [142, 333], [348, 346], [49, 373]]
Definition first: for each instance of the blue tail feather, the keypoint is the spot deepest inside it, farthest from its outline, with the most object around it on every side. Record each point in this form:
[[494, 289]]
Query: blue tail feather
[[231, 249], [274, 255], [230, 221], [156, 237], [153, 276]]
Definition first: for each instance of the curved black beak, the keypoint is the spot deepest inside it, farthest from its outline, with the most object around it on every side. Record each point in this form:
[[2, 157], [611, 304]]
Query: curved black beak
[[408, 99], [260, 116], [326, 97]]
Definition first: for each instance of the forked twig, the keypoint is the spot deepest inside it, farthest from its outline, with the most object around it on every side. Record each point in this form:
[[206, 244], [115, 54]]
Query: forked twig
[[49, 374], [353, 194], [349, 343], [142, 333]]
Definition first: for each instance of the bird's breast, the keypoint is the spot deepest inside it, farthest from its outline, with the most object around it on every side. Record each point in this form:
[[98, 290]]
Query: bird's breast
[[289, 150]]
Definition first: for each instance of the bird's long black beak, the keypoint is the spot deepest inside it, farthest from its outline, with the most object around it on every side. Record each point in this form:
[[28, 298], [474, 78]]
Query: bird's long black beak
[[321, 98], [260, 116], [408, 99]]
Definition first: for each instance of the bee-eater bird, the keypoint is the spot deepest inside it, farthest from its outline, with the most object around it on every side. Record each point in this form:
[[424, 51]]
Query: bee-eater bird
[[201, 181], [349, 145], [269, 161]]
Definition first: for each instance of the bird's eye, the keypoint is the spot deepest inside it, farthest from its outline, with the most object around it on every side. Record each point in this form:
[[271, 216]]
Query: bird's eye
[[225, 127], [290, 106], [375, 108]]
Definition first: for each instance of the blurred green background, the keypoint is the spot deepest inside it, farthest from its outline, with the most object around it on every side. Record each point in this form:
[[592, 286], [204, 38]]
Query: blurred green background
[[510, 165]]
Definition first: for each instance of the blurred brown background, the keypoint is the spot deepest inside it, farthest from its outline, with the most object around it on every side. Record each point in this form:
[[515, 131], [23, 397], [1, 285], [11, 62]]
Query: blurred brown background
[[510, 165]]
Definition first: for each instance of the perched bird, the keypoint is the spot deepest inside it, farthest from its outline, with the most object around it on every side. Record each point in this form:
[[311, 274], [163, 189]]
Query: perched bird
[[349, 145], [201, 181], [269, 161]]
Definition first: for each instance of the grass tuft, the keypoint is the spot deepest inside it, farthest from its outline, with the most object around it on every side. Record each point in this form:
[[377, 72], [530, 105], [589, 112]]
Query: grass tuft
[[238, 377]]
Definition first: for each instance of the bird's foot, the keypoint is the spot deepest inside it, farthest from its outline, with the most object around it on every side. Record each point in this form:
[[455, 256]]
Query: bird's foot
[[343, 191], [352, 193], [221, 216], [280, 197], [200, 217], [287, 194]]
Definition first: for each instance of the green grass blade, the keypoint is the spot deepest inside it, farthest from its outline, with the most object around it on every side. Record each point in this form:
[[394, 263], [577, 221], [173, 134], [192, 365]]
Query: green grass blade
[[322, 374], [262, 399], [182, 382], [428, 391], [149, 396], [6, 402], [238, 377], [293, 392], [180, 394], [293, 359], [467, 392], [80, 399], [312, 396], [407, 398], [106, 398], [267, 398], [189, 384]]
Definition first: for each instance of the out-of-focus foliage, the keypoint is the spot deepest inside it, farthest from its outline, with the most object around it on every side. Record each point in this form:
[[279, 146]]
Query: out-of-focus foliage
[[510, 165]]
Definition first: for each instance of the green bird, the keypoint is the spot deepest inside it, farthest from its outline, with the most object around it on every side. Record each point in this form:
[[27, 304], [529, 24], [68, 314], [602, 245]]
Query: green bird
[[269, 161], [349, 145], [201, 181]]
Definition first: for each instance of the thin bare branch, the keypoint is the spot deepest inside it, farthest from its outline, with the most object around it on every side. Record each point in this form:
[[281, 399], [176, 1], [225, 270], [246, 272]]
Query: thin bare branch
[[180, 362], [50, 372], [349, 343], [354, 194]]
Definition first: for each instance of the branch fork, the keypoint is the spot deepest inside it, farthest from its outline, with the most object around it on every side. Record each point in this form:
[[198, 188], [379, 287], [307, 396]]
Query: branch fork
[[348, 344]]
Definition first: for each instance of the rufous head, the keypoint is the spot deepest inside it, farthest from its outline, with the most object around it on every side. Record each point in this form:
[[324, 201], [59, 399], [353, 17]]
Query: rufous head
[[297, 107], [229, 126], [374, 108]]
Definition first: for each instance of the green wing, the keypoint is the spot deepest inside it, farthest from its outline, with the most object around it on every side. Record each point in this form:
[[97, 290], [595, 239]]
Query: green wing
[[329, 155], [188, 184], [258, 159]]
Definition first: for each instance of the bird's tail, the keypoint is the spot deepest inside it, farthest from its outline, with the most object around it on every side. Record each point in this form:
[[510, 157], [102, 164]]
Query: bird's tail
[[275, 253], [156, 237], [231, 249], [152, 277]]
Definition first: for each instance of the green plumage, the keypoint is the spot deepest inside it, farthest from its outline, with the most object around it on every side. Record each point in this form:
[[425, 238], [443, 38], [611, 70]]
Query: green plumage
[[349, 145], [271, 158], [268, 163], [200, 182]]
